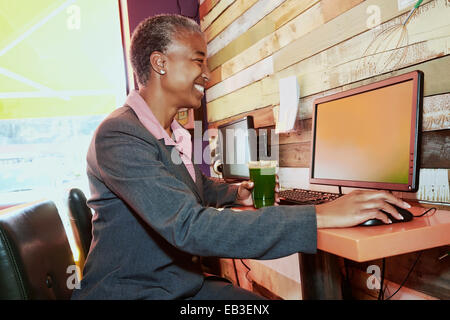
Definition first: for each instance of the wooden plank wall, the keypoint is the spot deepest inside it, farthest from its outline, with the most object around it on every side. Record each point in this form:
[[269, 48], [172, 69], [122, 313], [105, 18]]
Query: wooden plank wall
[[326, 45]]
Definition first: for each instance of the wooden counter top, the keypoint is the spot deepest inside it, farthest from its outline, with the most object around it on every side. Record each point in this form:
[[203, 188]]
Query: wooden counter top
[[362, 244], [369, 243]]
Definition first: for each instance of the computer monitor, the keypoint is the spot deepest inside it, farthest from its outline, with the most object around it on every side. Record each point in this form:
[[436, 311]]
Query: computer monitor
[[368, 137], [238, 145]]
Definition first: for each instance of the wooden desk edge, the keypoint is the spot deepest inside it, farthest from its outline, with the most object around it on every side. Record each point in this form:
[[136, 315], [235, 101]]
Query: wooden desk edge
[[372, 248]]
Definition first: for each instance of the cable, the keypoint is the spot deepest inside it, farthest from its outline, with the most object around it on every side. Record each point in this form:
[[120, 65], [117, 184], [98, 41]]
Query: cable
[[236, 273], [381, 292], [248, 271], [346, 285], [407, 276], [421, 215], [386, 289], [347, 275]]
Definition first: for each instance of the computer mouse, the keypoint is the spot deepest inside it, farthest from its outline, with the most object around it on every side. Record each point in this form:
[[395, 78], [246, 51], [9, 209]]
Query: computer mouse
[[407, 216]]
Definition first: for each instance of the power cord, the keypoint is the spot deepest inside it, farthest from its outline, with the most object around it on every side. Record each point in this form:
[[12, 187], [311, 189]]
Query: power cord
[[236, 273], [248, 270], [346, 283], [381, 294], [421, 215]]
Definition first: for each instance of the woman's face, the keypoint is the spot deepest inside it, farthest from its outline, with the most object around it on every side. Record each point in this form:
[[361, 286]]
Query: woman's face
[[186, 69]]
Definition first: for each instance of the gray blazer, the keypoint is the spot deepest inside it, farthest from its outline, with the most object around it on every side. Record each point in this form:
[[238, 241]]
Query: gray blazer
[[152, 221]]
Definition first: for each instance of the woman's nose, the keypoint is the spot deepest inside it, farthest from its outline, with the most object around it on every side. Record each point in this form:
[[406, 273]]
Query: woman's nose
[[205, 77], [206, 74]]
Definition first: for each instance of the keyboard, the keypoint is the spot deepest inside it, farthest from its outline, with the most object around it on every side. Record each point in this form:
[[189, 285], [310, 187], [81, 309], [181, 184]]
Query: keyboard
[[302, 196]]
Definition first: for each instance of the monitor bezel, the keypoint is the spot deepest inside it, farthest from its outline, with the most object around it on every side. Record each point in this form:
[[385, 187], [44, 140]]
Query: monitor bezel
[[227, 175], [416, 105]]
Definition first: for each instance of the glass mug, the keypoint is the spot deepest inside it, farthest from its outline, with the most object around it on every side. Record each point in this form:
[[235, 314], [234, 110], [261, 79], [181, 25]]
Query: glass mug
[[262, 173]]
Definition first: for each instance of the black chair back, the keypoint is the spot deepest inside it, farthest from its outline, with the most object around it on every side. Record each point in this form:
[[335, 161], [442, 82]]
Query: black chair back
[[81, 218], [35, 255]]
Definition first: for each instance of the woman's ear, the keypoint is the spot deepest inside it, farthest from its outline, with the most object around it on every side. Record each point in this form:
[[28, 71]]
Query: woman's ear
[[158, 62]]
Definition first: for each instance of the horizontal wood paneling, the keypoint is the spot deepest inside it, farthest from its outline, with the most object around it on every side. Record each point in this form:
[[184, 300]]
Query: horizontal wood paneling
[[242, 24], [295, 155], [295, 150], [326, 44], [345, 26], [435, 149], [262, 118], [340, 65], [435, 115], [302, 133], [253, 73], [269, 24], [216, 9], [231, 13], [254, 96], [205, 7], [436, 112], [318, 67], [433, 185], [295, 147], [311, 19], [437, 82], [434, 146]]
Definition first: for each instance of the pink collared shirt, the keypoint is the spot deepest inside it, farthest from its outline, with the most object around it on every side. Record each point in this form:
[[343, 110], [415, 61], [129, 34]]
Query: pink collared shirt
[[183, 142]]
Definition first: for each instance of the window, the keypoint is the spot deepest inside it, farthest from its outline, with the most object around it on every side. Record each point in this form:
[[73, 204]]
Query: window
[[62, 71]]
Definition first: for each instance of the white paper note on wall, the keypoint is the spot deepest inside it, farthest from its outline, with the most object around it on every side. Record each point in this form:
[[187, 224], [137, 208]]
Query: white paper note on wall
[[403, 4], [289, 99]]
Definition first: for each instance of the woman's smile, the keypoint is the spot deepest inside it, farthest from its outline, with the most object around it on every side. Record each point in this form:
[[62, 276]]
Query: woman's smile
[[200, 88]]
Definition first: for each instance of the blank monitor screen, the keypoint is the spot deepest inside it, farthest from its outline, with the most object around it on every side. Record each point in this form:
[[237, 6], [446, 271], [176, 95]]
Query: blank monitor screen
[[368, 137], [238, 143]]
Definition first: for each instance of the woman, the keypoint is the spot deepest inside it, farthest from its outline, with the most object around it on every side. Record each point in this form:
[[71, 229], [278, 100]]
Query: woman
[[155, 212]]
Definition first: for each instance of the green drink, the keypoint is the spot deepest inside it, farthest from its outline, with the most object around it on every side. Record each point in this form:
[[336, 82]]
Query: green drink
[[262, 173]]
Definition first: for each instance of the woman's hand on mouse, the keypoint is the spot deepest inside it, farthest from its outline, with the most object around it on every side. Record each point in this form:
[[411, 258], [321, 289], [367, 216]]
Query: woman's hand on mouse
[[357, 207]]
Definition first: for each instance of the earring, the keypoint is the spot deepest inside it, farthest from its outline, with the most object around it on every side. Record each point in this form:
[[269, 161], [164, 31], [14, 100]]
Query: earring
[[163, 72]]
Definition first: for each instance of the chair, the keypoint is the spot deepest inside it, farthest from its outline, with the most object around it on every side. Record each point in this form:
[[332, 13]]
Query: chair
[[80, 215], [35, 254]]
